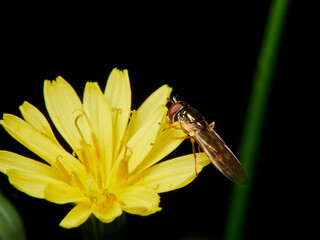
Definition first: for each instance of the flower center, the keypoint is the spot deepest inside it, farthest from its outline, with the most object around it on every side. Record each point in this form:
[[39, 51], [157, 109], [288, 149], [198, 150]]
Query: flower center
[[94, 183]]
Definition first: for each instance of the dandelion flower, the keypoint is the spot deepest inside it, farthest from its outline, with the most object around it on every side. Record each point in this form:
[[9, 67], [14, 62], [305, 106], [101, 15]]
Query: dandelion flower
[[113, 166]]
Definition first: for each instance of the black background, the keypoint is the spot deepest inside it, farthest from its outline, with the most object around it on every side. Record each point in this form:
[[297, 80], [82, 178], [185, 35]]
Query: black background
[[208, 55]]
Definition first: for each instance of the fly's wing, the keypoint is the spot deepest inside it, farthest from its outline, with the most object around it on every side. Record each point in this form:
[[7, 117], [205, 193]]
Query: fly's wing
[[220, 155]]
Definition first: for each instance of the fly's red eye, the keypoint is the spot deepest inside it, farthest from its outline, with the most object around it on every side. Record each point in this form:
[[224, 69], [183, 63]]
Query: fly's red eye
[[173, 109]]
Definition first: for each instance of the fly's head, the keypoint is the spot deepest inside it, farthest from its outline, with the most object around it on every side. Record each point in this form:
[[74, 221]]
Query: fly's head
[[175, 108]]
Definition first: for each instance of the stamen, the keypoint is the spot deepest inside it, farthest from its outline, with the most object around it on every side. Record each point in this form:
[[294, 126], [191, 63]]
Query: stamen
[[78, 182], [78, 128], [133, 114], [124, 141], [92, 194], [83, 156], [96, 146], [117, 110], [109, 196], [93, 136], [62, 168], [123, 170], [130, 150], [105, 192], [99, 180], [83, 153]]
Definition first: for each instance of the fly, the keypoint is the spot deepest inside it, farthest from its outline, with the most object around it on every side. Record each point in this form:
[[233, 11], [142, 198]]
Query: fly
[[193, 123]]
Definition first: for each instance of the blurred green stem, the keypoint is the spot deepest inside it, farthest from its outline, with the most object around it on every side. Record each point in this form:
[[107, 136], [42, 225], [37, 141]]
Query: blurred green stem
[[11, 225], [93, 229], [255, 116]]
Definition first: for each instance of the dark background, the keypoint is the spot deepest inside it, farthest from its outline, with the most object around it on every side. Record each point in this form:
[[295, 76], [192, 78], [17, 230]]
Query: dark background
[[208, 55]]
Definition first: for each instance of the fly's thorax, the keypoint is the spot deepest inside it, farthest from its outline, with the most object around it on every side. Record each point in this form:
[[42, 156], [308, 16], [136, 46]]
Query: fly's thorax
[[191, 115], [191, 120]]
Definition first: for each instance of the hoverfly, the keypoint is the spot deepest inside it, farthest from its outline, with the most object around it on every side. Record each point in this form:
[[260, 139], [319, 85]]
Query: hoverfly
[[193, 123]]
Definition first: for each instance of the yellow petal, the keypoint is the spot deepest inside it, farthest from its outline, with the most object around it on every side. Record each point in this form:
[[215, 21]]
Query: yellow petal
[[163, 145], [39, 143], [62, 104], [148, 107], [78, 215], [140, 142], [140, 200], [32, 183], [107, 210], [36, 119], [118, 95], [172, 174], [10, 160], [28, 175], [99, 114], [63, 193]]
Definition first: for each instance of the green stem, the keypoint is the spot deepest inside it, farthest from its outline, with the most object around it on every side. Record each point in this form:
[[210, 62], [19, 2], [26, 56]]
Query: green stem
[[256, 111], [93, 229]]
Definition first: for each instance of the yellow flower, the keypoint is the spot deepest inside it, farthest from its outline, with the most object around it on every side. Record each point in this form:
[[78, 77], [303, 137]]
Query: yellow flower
[[113, 166]]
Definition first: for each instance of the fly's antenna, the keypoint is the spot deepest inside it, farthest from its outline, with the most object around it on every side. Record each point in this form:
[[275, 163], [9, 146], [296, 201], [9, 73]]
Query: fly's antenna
[[170, 100], [173, 100]]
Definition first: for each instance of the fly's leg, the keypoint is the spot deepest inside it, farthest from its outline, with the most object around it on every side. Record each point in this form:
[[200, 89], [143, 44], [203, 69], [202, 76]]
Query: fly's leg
[[199, 149], [211, 125], [169, 125], [195, 156]]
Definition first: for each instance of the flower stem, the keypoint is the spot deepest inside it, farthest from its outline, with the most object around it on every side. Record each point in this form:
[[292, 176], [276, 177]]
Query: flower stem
[[93, 229], [256, 111]]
